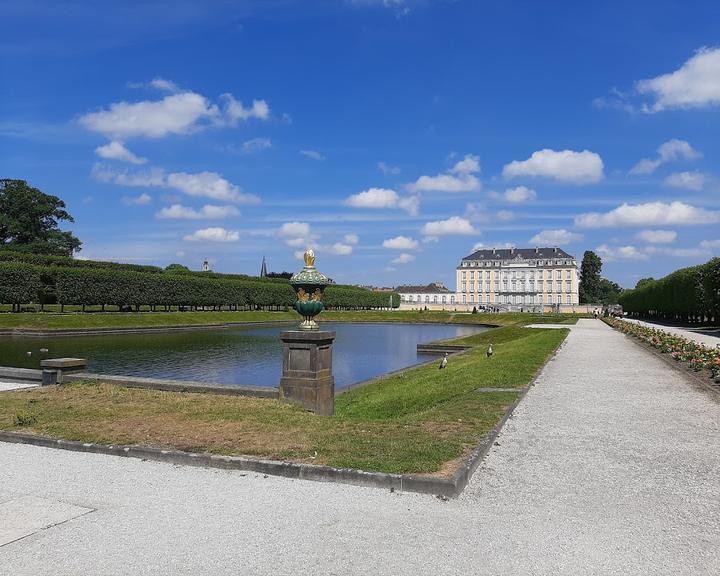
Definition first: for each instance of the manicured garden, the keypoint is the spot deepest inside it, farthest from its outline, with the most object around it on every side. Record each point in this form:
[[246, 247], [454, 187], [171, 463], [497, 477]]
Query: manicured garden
[[417, 421]]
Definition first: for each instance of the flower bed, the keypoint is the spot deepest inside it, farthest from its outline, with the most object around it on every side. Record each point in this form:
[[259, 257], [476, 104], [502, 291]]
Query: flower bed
[[696, 356]]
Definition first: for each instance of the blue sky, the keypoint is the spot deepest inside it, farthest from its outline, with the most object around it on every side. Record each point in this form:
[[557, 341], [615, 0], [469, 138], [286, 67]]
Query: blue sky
[[392, 136]]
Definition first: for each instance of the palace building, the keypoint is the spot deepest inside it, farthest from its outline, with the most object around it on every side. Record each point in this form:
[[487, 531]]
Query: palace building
[[518, 278], [433, 295]]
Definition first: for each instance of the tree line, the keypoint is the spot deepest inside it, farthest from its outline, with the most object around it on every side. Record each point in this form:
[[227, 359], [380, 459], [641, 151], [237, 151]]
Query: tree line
[[93, 285], [687, 295]]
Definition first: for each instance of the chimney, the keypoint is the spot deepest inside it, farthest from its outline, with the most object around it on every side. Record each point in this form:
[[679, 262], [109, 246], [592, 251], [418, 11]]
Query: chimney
[[537, 250], [555, 250], [512, 250], [493, 250]]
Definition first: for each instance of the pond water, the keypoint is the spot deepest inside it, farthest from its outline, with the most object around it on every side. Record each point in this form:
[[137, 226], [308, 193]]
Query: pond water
[[251, 356]]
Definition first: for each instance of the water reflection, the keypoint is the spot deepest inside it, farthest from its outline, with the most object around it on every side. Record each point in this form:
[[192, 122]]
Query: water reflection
[[234, 356]]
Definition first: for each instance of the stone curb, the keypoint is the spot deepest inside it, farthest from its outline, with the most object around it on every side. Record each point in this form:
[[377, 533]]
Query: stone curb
[[399, 482], [39, 333], [447, 487]]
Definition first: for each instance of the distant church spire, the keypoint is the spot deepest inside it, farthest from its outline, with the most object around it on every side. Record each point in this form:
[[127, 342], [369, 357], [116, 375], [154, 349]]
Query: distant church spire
[[263, 269]]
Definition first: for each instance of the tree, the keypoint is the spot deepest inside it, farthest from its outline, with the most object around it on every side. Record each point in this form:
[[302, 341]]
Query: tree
[[644, 282], [609, 291], [29, 220], [590, 278], [174, 267], [286, 275]]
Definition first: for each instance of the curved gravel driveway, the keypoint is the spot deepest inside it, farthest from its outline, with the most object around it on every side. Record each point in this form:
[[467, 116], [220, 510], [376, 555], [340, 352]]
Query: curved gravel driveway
[[610, 465]]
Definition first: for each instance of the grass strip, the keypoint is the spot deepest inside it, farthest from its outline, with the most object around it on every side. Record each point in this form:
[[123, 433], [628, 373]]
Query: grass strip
[[56, 321], [419, 421]]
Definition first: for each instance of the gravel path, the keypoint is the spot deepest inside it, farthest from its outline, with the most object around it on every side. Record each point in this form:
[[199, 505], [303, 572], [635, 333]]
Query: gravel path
[[710, 340], [610, 465]]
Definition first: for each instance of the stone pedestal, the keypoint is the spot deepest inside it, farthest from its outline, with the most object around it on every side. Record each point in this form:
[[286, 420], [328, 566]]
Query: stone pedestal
[[307, 377]]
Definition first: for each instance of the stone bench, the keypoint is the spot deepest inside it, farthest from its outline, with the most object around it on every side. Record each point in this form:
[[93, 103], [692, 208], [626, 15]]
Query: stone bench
[[54, 369]]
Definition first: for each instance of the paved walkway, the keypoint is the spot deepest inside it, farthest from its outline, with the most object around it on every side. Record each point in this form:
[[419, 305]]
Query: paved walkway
[[710, 338], [6, 386], [610, 465]]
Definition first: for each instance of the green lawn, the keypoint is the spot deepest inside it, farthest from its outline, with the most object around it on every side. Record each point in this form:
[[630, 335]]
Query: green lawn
[[419, 421], [55, 321]]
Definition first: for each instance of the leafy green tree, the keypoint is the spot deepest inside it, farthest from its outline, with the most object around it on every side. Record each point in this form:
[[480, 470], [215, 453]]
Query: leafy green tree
[[285, 275], [609, 291], [29, 220], [644, 282], [176, 268], [590, 268]]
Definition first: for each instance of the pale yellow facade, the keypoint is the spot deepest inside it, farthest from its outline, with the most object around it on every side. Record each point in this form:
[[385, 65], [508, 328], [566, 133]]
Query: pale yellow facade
[[514, 279]]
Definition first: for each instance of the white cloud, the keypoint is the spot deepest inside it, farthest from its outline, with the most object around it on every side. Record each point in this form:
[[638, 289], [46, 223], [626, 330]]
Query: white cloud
[[234, 111], [207, 212], [481, 245], [403, 259], [117, 151], [351, 239], [181, 113], [559, 237], [468, 165], [383, 198], [621, 252], [446, 183], [671, 150], [209, 185], [201, 184], [297, 235], [516, 195], [454, 225], [213, 235], [400, 243], [152, 178], [677, 252], [649, 214], [430, 239], [564, 166], [165, 85], [459, 178], [688, 180], [340, 249], [710, 244], [696, 83], [312, 154], [174, 114], [387, 169], [657, 236], [156, 84], [504, 215], [142, 200], [256, 145]]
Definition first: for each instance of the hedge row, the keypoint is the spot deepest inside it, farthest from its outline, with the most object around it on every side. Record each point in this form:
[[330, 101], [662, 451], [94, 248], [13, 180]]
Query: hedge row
[[66, 262], [688, 295], [19, 283], [25, 283]]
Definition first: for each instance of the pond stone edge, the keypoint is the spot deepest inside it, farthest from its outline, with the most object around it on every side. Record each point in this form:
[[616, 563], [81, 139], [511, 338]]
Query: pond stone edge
[[425, 484]]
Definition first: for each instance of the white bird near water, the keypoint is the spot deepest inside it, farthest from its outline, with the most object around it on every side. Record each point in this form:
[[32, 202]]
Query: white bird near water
[[443, 362], [489, 352]]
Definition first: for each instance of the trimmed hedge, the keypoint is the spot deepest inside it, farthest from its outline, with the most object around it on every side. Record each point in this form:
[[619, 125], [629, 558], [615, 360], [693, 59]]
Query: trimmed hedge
[[24, 283], [19, 283], [688, 295]]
